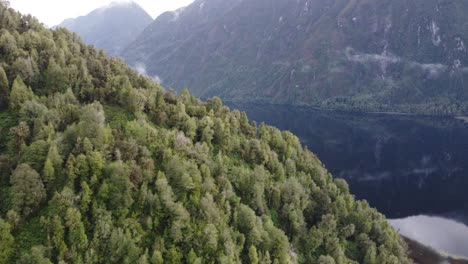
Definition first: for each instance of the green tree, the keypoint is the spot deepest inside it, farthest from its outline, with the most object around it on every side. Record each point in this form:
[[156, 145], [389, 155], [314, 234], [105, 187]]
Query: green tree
[[71, 171], [58, 233], [36, 256], [157, 257], [49, 174], [76, 235], [178, 172], [21, 134], [253, 256], [174, 256], [6, 242], [8, 43], [214, 104], [326, 260], [4, 89], [20, 93], [35, 154], [120, 186], [52, 166], [86, 197], [144, 259], [26, 68], [92, 125], [371, 255], [56, 81], [28, 191], [124, 247], [192, 257]]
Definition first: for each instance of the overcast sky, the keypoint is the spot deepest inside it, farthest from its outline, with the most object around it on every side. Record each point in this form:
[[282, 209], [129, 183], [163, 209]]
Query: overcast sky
[[53, 12]]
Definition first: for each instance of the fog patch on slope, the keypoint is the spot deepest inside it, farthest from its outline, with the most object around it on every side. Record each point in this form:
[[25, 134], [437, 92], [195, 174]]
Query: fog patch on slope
[[433, 70], [141, 69]]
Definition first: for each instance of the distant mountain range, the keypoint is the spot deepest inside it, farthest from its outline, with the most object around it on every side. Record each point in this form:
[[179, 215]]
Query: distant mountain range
[[368, 55], [111, 27]]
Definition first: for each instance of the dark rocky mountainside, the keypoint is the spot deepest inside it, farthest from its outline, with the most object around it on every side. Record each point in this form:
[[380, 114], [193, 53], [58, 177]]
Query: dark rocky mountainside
[[111, 27], [369, 55]]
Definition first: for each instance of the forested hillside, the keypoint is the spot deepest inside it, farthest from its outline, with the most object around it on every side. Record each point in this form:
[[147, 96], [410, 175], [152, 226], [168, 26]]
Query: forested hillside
[[360, 55], [101, 165]]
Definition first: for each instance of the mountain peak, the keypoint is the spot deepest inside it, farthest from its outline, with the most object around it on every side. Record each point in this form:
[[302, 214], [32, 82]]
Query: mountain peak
[[120, 4], [111, 27], [123, 3]]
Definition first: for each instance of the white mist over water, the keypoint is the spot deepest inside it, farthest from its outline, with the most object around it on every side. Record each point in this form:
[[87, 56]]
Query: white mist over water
[[444, 235]]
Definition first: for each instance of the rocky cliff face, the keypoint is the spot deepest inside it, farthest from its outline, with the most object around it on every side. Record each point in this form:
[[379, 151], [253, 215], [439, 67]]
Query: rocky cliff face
[[111, 27], [352, 54]]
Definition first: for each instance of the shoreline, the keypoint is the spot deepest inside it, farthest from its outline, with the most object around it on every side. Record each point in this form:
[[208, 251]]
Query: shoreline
[[391, 113]]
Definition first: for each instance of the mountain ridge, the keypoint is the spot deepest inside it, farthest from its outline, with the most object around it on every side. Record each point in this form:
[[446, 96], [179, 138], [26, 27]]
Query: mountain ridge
[[373, 55], [111, 27]]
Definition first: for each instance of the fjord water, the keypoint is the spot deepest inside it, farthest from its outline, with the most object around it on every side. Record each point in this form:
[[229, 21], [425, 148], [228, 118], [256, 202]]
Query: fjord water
[[401, 164]]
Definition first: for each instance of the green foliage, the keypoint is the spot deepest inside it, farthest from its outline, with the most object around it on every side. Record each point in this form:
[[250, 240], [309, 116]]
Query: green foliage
[[4, 89], [28, 190], [19, 94], [253, 256], [37, 256], [107, 167], [6, 242], [117, 117], [35, 155], [7, 121], [56, 80], [28, 235]]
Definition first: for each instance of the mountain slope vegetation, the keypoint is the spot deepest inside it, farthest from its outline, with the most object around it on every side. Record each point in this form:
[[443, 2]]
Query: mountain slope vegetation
[[372, 55], [111, 27], [101, 165]]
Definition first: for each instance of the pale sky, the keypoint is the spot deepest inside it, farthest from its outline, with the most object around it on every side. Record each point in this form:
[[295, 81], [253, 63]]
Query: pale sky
[[53, 12]]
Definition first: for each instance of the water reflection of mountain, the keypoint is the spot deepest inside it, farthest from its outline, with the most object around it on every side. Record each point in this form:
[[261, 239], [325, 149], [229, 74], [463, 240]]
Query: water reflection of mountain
[[403, 165]]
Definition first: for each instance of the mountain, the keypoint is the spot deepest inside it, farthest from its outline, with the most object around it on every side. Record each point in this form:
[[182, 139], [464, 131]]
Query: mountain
[[111, 27], [99, 164], [367, 55]]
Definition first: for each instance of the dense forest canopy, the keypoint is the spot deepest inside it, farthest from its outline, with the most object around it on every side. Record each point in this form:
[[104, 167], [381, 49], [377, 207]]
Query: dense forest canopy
[[101, 165]]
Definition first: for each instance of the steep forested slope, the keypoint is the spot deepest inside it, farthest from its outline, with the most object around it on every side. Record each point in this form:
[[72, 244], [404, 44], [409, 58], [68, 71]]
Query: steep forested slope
[[111, 27], [101, 165], [370, 55]]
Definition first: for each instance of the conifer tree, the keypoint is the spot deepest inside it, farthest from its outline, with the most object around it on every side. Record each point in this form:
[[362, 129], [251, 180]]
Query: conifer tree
[[4, 89]]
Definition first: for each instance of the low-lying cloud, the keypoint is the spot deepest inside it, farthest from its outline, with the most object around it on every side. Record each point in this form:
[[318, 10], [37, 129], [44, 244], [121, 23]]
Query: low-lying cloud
[[141, 69], [432, 69], [373, 58]]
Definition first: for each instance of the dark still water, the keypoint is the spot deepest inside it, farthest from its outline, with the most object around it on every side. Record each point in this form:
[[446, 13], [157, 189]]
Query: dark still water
[[402, 165]]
